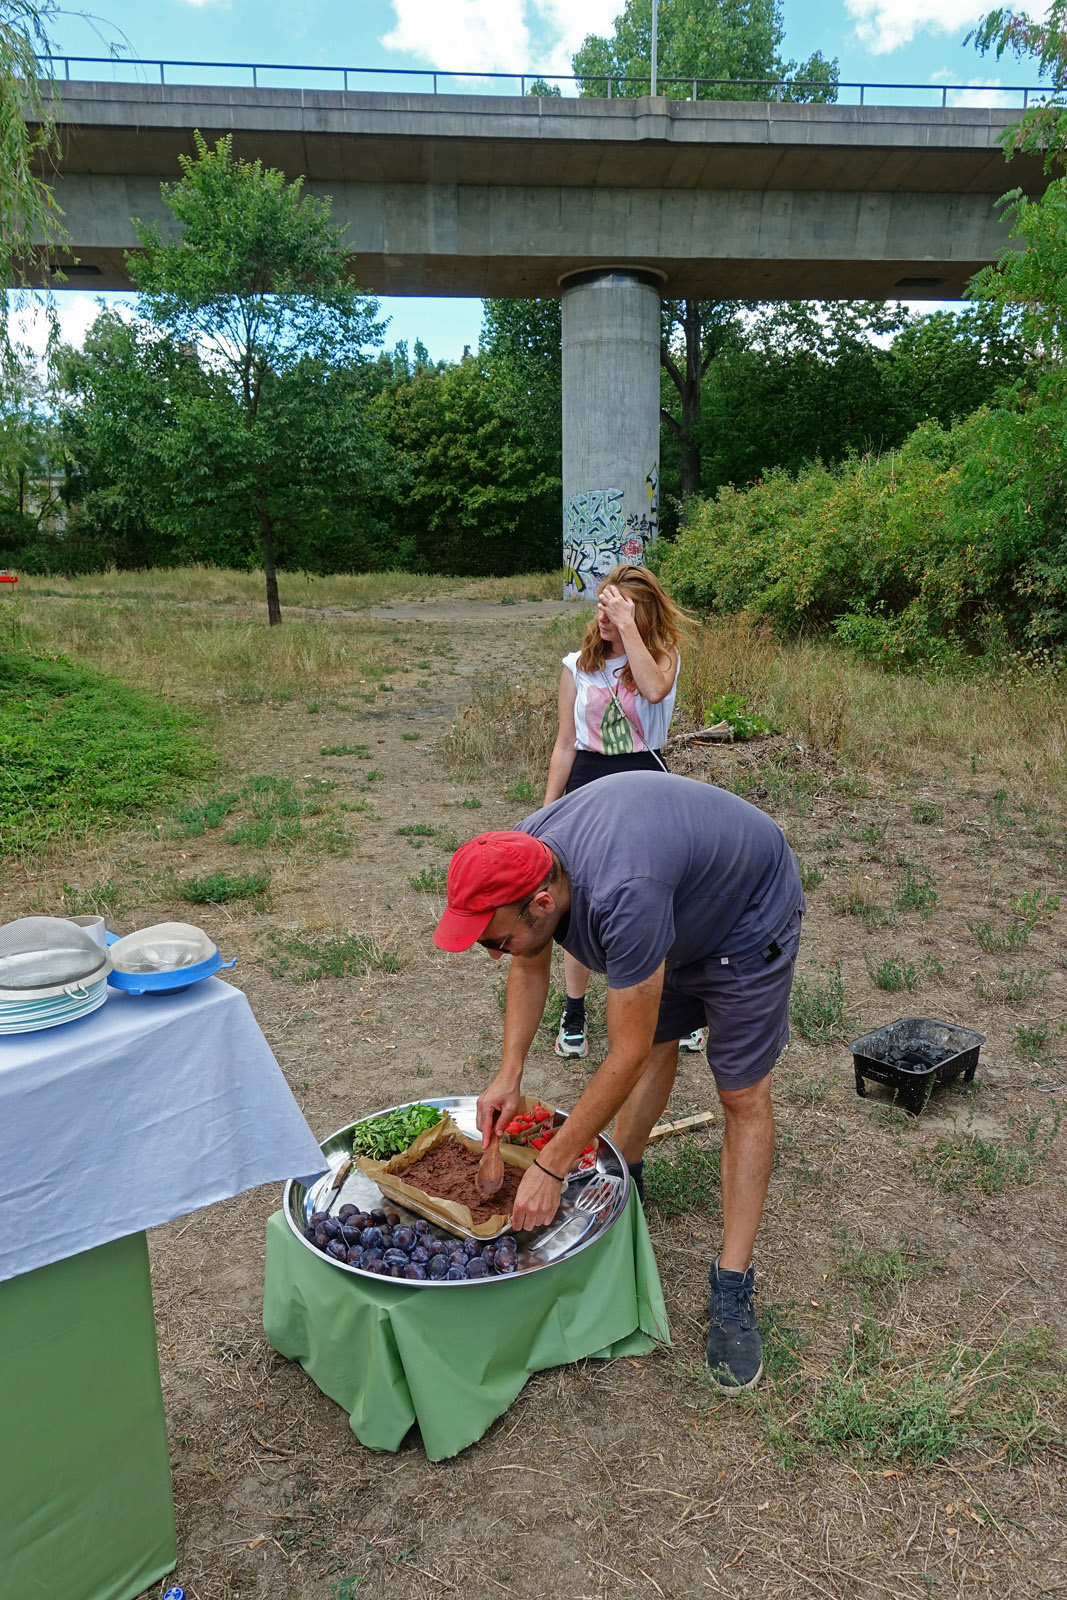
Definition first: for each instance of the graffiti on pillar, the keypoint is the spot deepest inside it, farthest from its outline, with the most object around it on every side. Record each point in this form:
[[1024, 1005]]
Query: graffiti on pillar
[[634, 540], [642, 530], [593, 534]]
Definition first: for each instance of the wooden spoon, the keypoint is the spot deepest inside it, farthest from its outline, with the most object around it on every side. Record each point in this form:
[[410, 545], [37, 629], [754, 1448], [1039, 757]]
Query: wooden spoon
[[490, 1173]]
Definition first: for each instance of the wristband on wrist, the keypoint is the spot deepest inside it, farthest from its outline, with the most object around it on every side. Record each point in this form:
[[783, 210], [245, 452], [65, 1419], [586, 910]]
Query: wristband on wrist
[[547, 1173]]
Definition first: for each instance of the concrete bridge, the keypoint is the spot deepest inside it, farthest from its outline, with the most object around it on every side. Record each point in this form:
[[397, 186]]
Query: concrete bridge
[[609, 203]]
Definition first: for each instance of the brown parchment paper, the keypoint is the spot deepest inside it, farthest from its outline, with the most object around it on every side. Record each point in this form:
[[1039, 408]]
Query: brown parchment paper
[[389, 1176]]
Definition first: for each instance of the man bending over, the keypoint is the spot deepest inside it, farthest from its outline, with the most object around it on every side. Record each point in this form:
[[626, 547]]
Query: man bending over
[[689, 899]]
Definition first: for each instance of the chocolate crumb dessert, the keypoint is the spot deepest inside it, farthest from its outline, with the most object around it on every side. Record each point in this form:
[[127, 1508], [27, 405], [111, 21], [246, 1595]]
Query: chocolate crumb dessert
[[447, 1173]]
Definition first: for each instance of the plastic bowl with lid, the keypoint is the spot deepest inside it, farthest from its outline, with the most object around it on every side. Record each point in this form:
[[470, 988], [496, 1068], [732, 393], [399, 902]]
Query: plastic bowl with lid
[[164, 958]]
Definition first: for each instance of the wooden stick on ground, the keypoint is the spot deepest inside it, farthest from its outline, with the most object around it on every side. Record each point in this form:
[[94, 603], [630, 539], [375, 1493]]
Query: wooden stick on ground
[[720, 733], [664, 1130]]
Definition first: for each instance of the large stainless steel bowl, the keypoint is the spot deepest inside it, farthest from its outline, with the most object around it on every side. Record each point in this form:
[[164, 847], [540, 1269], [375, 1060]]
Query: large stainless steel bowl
[[567, 1235]]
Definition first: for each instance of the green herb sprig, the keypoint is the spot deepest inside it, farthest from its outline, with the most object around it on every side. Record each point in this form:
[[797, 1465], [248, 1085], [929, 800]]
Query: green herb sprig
[[381, 1137]]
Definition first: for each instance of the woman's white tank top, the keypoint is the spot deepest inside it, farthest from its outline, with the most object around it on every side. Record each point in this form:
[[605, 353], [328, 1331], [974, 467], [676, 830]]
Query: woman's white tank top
[[598, 724]]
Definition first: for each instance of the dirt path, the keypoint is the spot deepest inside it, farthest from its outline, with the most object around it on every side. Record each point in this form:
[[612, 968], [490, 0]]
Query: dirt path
[[627, 1478]]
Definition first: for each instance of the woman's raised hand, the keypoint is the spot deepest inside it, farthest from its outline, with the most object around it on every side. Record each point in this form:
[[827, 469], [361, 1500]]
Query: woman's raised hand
[[617, 607]]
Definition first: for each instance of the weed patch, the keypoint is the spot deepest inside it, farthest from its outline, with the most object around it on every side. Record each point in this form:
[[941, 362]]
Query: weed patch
[[894, 974], [810, 875], [685, 1180], [817, 1006], [1031, 1039], [215, 888], [98, 899], [305, 959], [1012, 988], [195, 819], [916, 893], [431, 880], [504, 728], [859, 899], [880, 1401], [967, 1164]]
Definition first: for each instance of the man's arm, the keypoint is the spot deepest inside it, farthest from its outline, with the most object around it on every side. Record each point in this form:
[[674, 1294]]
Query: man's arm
[[527, 993], [632, 1015]]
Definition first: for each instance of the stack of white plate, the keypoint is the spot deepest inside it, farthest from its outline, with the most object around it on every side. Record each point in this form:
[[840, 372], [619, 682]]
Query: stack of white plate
[[51, 971], [27, 1016]]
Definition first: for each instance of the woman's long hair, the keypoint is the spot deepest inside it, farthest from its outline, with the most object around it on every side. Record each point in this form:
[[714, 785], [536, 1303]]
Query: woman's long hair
[[659, 621]]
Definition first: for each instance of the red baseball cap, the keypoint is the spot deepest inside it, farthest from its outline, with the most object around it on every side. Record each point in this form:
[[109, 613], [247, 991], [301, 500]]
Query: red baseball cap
[[493, 870]]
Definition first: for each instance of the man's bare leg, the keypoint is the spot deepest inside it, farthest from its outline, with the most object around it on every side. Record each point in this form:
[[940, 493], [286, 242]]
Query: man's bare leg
[[646, 1101], [747, 1153]]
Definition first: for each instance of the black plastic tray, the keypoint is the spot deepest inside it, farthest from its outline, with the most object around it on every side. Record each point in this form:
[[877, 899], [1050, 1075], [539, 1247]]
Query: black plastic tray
[[913, 1055]]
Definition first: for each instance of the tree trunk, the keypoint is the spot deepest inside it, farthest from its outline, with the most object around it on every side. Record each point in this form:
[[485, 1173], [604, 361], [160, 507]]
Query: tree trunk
[[266, 539], [689, 441], [687, 379]]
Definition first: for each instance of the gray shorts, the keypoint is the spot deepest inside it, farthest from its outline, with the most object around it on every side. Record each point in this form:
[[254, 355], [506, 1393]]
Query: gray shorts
[[743, 1001]]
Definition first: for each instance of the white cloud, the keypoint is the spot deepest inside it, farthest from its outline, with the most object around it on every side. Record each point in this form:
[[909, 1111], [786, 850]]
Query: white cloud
[[884, 25], [479, 35], [75, 312], [498, 35], [568, 22], [985, 92]]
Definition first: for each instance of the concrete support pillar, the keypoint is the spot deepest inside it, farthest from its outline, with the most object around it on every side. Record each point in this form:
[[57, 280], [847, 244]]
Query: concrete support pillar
[[611, 343]]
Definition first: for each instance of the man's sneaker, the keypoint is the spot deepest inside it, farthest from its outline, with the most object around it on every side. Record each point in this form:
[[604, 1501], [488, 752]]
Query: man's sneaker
[[694, 1041], [571, 1040], [734, 1348]]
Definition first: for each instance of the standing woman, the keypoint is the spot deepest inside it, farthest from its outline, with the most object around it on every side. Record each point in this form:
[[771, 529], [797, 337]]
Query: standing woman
[[616, 699]]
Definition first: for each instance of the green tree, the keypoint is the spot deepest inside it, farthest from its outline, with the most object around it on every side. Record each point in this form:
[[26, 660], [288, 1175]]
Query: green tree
[[476, 493], [1023, 475], [124, 401], [29, 218], [695, 334], [30, 460], [523, 340], [1042, 130], [256, 286], [738, 43]]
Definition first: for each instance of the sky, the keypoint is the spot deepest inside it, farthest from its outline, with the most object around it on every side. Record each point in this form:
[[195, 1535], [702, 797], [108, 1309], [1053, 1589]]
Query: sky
[[913, 42]]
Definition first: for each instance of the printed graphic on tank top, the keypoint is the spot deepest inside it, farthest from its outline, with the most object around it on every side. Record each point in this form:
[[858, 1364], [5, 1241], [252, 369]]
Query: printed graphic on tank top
[[601, 726]]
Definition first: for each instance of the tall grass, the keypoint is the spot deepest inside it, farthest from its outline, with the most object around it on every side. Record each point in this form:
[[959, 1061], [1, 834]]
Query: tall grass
[[223, 586], [209, 654], [1011, 719]]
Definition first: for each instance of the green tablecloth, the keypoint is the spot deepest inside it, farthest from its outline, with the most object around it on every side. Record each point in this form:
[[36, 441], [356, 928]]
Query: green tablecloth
[[85, 1502], [453, 1360]]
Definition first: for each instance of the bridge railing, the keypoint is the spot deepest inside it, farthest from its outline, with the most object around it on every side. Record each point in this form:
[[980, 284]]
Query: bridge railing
[[437, 81]]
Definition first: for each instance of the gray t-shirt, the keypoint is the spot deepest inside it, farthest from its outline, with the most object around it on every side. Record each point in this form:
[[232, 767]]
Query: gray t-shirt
[[664, 868]]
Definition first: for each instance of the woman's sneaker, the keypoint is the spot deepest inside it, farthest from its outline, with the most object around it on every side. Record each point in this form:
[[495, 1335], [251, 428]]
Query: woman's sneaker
[[734, 1348], [571, 1040], [694, 1041]]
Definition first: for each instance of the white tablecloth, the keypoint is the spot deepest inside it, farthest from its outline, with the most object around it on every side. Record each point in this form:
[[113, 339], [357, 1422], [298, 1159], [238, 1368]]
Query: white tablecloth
[[152, 1107]]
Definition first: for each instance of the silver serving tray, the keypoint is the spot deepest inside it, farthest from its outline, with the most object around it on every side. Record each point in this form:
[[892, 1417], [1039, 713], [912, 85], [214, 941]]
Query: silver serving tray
[[570, 1231]]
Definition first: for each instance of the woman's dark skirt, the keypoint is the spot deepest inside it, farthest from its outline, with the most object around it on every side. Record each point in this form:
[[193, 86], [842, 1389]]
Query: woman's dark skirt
[[590, 765]]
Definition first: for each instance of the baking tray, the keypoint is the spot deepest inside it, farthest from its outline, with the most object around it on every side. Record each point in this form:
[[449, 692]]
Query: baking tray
[[568, 1234]]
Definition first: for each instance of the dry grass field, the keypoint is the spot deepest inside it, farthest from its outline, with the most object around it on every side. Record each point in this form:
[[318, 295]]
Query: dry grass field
[[910, 1436]]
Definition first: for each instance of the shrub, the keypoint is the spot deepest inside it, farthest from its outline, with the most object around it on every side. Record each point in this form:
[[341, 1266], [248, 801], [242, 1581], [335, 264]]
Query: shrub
[[915, 557]]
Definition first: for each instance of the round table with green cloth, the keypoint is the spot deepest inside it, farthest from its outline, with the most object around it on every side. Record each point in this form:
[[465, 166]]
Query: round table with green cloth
[[453, 1360]]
